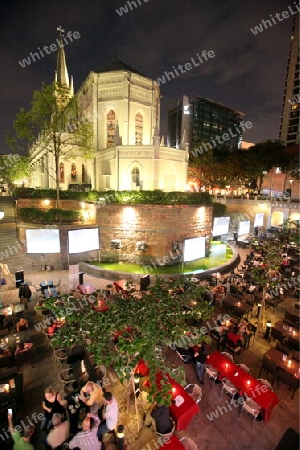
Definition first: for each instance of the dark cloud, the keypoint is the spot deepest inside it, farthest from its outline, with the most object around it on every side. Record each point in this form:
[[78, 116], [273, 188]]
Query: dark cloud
[[247, 72]]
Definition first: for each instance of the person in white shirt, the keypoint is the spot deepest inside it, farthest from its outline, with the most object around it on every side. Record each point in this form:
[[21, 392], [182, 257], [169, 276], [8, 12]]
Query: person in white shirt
[[60, 432], [110, 414]]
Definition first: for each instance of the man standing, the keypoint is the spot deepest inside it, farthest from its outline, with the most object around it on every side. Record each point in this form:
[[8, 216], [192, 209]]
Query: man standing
[[87, 438], [20, 442], [201, 356], [109, 414]]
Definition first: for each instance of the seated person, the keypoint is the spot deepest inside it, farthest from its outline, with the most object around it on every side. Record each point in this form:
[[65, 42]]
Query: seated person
[[234, 337], [22, 325], [60, 432], [244, 331], [161, 415]]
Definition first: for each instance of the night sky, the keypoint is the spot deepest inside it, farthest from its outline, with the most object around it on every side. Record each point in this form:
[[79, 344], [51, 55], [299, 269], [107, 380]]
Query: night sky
[[247, 72]]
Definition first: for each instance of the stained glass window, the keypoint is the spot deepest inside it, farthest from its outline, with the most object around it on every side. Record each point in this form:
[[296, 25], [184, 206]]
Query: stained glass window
[[73, 172], [138, 129], [111, 128], [61, 172]]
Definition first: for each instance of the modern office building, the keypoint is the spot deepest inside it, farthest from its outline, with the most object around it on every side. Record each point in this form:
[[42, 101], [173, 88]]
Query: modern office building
[[201, 121], [289, 126]]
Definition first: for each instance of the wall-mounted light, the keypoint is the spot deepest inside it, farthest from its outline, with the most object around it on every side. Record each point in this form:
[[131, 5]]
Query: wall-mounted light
[[176, 245], [115, 244], [1, 215], [46, 202], [141, 246]]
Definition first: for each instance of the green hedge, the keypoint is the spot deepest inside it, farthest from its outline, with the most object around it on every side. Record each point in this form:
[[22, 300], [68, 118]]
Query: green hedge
[[52, 216], [156, 197]]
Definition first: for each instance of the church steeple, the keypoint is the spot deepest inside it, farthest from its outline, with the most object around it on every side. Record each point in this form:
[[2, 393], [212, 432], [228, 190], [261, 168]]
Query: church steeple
[[62, 75]]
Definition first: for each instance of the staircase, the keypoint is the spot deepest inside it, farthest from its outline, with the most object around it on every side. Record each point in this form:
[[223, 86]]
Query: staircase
[[12, 252]]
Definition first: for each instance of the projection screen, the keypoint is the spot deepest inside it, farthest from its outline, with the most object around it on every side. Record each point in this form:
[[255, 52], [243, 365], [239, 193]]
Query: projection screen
[[221, 226], [43, 240], [194, 249], [83, 240]]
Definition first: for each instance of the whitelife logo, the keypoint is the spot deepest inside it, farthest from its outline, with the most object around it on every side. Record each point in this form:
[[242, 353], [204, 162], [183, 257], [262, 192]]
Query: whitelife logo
[[265, 24], [183, 68], [53, 47]]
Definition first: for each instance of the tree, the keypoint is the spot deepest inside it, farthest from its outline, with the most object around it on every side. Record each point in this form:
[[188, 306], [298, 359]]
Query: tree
[[14, 168], [143, 326], [53, 124]]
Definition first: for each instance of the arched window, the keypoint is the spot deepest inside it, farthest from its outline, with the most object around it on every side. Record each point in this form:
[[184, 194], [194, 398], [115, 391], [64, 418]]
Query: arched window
[[61, 173], [83, 174], [135, 176], [111, 128], [138, 129], [73, 172]]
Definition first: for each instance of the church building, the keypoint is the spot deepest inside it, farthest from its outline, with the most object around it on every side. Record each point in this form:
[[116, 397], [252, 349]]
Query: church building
[[123, 107]]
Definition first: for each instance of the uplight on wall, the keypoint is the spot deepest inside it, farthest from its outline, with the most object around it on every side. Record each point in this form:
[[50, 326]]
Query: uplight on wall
[[115, 244], [141, 246], [1, 215]]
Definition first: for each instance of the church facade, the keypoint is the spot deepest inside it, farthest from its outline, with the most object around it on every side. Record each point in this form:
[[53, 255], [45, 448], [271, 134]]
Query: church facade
[[123, 107]]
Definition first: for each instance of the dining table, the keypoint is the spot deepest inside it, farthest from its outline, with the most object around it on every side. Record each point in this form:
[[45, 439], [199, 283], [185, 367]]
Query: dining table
[[287, 364], [86, 288], [172, 443], [244, 382], [121, 285], [14, 308], [244, 307], [292, 334], [293, 314], [183, 408]]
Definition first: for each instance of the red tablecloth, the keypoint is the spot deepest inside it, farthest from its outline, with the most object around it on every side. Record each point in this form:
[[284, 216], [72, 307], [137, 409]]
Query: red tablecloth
[[173, 443], [182, 414], [244, 382]]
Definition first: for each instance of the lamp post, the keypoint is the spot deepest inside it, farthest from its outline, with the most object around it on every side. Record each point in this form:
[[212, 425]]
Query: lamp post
[[120, 437], [268, 329]]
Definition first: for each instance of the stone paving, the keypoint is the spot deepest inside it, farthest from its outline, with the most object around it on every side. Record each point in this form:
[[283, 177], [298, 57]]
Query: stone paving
[[229, 431]]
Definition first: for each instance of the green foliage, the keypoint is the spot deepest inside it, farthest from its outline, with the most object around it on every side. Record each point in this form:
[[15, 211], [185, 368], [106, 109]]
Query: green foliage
[[219, 209], [47, 126], [155, 197], [14, 168], [146, 325], [36, 215]]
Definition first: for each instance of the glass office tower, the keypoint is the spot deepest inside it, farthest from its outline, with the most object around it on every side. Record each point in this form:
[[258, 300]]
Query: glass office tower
[[203, 120]]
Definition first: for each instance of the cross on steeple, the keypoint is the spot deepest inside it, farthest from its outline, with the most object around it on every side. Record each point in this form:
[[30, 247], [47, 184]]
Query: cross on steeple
[[61, 30]]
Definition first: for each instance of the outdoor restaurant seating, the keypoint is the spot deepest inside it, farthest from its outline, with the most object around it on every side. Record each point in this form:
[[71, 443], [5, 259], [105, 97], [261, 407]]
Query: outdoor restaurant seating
[[269, 367], [288, 379], [195, 391], [251, 408], [282, 349], [244, 382], [229, 388]]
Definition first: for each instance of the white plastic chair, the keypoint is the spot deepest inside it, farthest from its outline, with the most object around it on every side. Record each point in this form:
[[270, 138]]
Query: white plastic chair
[[188, 443], [228, 355], [244, 367], [251, 408], [229, 388], [211, 372], [194, 391]]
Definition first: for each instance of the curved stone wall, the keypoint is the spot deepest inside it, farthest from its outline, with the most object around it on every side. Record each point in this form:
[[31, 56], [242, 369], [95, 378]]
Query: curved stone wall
[[146, 234]]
